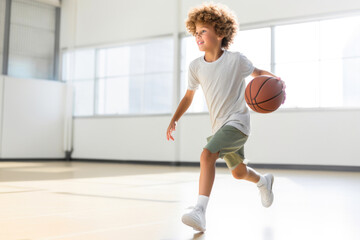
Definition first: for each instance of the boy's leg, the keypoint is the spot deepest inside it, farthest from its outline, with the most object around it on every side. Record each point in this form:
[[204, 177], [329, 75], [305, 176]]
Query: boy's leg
[[247, 173], [196, 218], [207, 171], [264, 182]]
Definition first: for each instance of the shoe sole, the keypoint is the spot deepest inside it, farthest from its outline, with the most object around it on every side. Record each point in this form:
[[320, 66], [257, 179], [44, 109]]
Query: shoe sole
[[192, 223]]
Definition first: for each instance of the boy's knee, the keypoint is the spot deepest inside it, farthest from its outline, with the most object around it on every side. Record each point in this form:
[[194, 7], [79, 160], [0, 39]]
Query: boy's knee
[[208, 157], [239, 172]]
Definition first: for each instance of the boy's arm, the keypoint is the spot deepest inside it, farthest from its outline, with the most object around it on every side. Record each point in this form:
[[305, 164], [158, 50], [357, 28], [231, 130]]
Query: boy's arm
[[258, 72], [181, 109]]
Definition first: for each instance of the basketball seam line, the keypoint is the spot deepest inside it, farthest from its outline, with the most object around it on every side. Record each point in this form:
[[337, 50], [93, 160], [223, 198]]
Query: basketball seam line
[[251, 99], [269, 98], [262, 86], [258, 94], [266, 109]]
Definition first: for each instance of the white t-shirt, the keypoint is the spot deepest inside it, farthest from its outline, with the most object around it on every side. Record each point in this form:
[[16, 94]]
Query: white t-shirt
[[223, 83]]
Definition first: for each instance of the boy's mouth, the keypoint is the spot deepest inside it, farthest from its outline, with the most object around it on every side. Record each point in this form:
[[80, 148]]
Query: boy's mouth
[[200, 43]]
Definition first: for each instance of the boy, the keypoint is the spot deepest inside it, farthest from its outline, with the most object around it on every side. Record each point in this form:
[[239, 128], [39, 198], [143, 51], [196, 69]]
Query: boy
[[221, 75]]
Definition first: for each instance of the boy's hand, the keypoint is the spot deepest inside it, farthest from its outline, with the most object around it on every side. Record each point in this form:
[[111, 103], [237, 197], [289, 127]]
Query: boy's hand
[[284, 86], [170, 129]]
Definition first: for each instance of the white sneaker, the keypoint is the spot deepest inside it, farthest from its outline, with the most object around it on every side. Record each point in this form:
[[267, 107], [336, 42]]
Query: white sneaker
[[267, 196], [195, 219]]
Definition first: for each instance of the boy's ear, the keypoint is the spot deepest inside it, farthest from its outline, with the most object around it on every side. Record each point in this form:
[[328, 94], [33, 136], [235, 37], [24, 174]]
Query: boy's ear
[[220, 38]]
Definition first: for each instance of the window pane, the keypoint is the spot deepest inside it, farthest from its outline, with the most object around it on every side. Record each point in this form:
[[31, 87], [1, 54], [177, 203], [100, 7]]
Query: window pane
[[297, 43], [84, 97], [157, 93], [137, 60], [113, 62], [136, 78], [340, 38], [351, 82], [336, 50], [331, 78], [84, 62], [113, 95], [255, 45], [159, 56], [136, 90], [28, 67], [302, 88], [138, 94]]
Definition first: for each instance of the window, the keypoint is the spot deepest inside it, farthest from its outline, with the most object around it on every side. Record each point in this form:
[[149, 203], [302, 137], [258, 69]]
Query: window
[[32, 45], [319, 61], [297, 62], [130, 79], [136, 78], [32, 40]]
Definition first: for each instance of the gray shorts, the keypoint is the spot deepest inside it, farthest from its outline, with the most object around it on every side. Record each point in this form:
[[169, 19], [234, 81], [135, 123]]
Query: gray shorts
[[229, 142]]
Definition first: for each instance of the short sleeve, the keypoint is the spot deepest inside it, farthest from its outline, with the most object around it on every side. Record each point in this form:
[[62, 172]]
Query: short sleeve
[[193, 82], [246, 66]]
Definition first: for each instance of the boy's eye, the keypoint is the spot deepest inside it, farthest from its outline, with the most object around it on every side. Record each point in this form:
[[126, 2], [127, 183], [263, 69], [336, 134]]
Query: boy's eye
[[202, 31]]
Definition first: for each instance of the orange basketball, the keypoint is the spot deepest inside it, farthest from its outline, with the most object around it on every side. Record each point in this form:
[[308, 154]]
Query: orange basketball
[[264, 94]]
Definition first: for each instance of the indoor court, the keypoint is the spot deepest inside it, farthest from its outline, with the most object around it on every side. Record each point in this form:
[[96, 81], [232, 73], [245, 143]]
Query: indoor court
[[92, 146], [82, 200]]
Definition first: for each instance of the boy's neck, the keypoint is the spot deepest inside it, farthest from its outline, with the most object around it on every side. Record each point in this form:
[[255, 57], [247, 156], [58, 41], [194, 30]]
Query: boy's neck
[[212, 56]]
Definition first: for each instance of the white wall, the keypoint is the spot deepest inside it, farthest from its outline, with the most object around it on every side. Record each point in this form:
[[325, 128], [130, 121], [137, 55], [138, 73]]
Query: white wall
[[127, 138], [308, 137], [289, 137], [268, 12], [113, 21], [33, 113]]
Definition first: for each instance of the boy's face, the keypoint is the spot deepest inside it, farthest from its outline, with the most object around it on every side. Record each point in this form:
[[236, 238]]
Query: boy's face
[[206, 38]]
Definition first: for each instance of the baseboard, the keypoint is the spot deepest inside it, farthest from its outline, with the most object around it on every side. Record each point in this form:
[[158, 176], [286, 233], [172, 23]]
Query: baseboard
[[31, 159]]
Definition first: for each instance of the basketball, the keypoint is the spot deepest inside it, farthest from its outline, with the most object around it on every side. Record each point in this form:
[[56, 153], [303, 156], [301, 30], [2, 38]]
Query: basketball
[[264, 94]]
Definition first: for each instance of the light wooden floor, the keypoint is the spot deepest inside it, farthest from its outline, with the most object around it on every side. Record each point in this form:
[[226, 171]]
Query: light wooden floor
[[88, 201]]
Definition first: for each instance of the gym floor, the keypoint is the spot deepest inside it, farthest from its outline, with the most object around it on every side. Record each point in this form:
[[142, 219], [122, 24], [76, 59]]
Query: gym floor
[[103, 201]]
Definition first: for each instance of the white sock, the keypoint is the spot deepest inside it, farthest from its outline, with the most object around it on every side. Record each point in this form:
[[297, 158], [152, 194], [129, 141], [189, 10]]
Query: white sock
[[202, 202], [262, 181]]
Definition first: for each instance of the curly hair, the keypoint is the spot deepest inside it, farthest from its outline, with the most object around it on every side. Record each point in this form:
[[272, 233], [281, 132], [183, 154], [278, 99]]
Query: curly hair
[[219, 16]]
